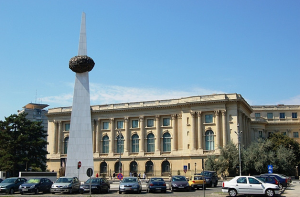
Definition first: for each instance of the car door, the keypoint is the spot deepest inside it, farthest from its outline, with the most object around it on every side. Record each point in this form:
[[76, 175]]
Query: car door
[[255, 186], [242, 185]]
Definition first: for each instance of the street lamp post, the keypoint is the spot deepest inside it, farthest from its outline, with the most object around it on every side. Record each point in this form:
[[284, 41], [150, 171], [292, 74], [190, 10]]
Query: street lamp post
[[239, 143], [195, 167], [119, 138]]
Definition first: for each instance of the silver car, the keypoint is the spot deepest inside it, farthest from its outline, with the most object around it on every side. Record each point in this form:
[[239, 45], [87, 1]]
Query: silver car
[[65, 185], [130, 184]]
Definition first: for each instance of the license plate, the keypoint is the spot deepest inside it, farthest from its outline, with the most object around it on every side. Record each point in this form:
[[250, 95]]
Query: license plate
[[135, 190], [158, 188], [24, 189], [180, 187]]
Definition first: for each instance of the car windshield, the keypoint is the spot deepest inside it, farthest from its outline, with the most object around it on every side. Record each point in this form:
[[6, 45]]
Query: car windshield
[[156, 179], [33, 180], [64, 180], [9, 181], [263, 179], [93, 181], [198, 178], [129, 180], [178, 178], [205, 173]]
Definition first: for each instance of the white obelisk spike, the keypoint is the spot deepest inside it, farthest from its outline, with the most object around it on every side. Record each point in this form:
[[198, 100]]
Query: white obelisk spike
[[82, 49]]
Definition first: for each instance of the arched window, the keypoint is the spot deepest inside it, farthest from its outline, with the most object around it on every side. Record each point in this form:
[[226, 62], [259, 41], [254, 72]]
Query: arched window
[[167, 142], [103, 168], [209, 140], [133, 167], [149, 167], [105, 144], [165, 168], [150, 142], [120, 144], [66, 141], [135, 143], [117, 168]]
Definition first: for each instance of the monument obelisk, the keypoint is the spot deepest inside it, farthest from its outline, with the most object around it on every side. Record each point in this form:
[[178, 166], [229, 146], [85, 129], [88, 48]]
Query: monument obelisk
[[80, 146]]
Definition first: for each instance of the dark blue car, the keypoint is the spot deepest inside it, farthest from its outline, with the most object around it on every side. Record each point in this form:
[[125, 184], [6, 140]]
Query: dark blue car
[[36, 185], [268, 179], [283, 181], [156, 185]]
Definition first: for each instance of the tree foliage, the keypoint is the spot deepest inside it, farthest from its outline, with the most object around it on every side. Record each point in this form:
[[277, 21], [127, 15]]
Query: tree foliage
[[22, 144], [228, 159]]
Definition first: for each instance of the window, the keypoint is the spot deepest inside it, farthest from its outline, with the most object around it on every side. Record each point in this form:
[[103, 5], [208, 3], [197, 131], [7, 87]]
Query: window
[[166, 142], [135, 143], [294, 115], [242, 180], [295, 134], [135, 123], [66, 141], [105, 144], [270, 115], [260, 133], [257, 115], [103, 167], [166, 121], [120, 124], [120, 144], [283, 133], [149, 167], [209, 140], [150, 122], [150, 142], [282, 115], [105, 125], [67, 127], [165, 167], [253, 181], [209, 118]]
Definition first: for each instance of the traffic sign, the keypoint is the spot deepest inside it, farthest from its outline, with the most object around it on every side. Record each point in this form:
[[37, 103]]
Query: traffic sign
[[120, 176], [89, 172], [185, 168], [270, 169]]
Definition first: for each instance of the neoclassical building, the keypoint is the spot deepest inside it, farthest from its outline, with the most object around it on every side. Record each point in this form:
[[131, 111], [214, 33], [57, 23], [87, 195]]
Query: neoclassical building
[[160, 137], [157, 137]]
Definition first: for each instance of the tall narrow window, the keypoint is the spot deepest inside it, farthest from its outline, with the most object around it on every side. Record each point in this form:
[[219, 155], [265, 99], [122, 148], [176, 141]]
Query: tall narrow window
[[209, 118], [105, 125], [282, 115], [270, 115], [150, 142], [209, 140], [295, 134], [150, 122], [120, 124], [103, 167], [294, 115], [135, 123], [66, 141], [167, 142], [166, 122], [67, 127], [120, 145], [135, 143], [105, 144], [257, 115]]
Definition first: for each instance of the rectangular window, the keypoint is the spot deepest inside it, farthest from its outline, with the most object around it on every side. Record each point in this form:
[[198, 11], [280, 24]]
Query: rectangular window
[[270, 115], [105, 125], [283, 133], [150, 122], [294, 115], [295, 134], [282, 115], [166, 121], [257, 115], [260, 133], [119, 124], [209, 118], [67, 127], [135, 123]]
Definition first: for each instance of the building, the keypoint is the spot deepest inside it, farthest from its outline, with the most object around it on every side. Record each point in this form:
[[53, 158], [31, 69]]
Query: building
[[158, 137]]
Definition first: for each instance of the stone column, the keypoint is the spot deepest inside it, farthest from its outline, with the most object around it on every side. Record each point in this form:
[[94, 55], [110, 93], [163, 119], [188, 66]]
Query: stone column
[[217, 145], [174, 140], [193, 132], [224, 125], [59, 137], [98, 135], [157, 141], [94, 135], [55, 138], [200, 137], [127, 136], [112, 136], [142, 134]]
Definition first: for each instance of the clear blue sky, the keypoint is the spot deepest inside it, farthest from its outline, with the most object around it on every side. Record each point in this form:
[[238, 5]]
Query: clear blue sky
[[149, 50]]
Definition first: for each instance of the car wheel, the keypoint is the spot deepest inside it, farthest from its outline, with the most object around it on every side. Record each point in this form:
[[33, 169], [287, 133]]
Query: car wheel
[[232, 192], [120, 192], [107, 191], [22, 193], [172, 189], [53, 192], [71, 191], [216, 183], [80, 191], [270, 192], [36, 191], [165, 191], [11, 191]]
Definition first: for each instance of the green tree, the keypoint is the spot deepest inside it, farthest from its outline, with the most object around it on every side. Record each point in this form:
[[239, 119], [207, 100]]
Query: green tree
[[211, 163], [22, 145], [229, 159]]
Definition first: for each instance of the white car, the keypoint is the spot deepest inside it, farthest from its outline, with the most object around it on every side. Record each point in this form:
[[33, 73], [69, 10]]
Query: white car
[[249, 185]]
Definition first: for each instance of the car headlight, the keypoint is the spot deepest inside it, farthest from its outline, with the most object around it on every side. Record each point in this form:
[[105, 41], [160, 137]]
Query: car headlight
[[207, 180], [81, 186], [135, 186], [53, 186], [66, 186], [122, 186], [32, 186], [20, 186], [187, 184], [94, 186], [174, 185]]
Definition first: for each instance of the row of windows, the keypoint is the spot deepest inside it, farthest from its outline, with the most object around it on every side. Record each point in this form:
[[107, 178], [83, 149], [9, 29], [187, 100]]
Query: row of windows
[[209, 143], [295, 134], [281, 115]]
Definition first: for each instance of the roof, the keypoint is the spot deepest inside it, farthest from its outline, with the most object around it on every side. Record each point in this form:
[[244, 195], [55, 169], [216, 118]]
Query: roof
[[35, 106]]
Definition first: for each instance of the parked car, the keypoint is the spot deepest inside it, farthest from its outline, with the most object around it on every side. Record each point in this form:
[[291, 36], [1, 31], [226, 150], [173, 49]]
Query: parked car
[[269, 179], [65, 185], [156, 185], [36, 185], [98, 185], [249, 185], [130, 184], [1, 180], [197, 182], [11, 185], [179, 183], [283, 180], [211, 178]]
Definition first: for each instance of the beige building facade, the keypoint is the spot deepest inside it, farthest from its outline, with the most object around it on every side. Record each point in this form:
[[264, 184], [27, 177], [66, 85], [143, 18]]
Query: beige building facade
[[157, 137]]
